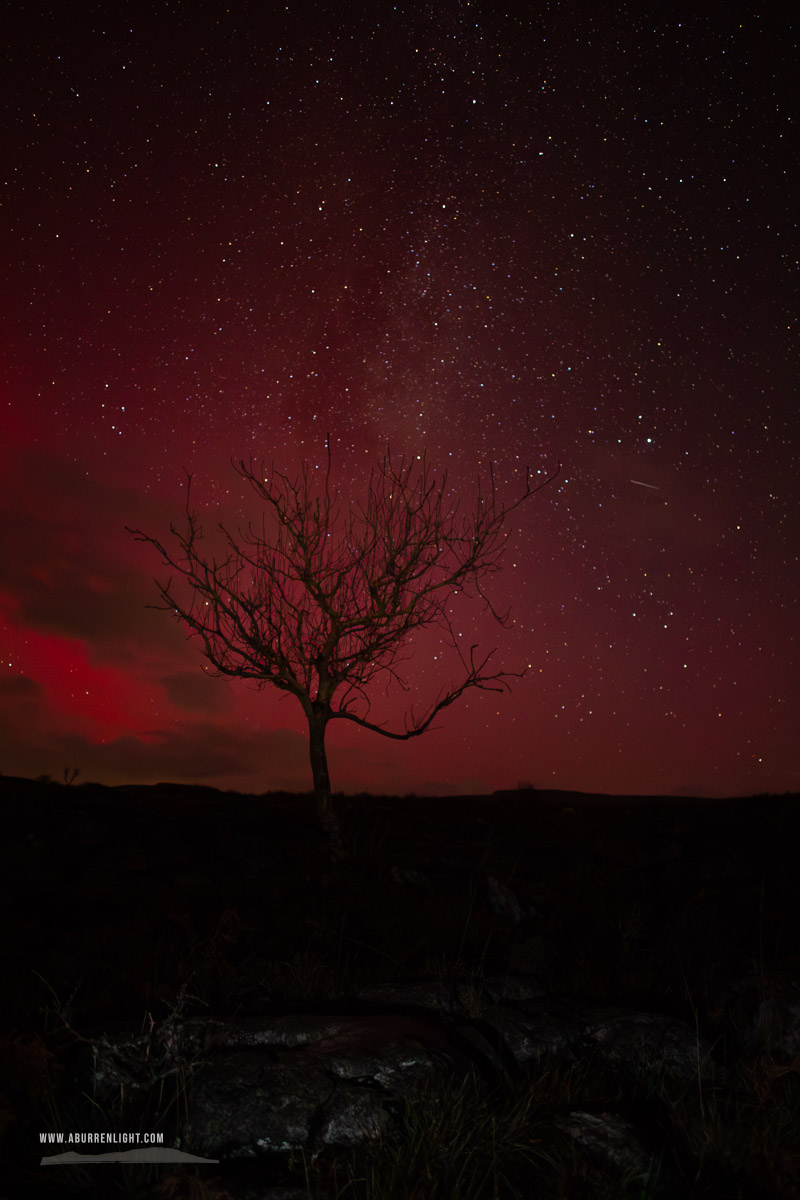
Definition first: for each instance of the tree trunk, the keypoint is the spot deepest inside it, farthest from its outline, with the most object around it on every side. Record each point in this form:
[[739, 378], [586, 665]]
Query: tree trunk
[[326, 811]]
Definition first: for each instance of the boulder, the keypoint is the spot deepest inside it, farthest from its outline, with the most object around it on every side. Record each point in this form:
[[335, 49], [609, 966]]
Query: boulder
[[612, 1143], [642, 1041]]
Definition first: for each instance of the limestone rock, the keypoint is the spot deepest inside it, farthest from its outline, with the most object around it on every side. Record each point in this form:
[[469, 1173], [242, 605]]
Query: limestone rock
[[614, 1144], [330, 1083], [651, 1041]]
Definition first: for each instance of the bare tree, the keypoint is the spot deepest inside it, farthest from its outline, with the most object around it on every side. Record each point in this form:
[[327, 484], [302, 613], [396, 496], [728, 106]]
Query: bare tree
[[320, 600]]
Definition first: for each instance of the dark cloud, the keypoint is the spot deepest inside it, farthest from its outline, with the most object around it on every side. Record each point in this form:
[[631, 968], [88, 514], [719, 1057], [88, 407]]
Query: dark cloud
[[195, 752], [196, 691], [21, 689], [67, 565]]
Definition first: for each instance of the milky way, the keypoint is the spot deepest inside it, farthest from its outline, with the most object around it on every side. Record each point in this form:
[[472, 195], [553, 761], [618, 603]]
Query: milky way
[[564, 235]]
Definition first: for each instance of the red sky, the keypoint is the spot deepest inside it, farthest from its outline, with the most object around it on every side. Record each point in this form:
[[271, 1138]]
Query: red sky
[[565, 239]]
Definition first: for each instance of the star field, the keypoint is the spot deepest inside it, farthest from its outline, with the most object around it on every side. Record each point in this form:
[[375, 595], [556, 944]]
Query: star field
[[537, 236]]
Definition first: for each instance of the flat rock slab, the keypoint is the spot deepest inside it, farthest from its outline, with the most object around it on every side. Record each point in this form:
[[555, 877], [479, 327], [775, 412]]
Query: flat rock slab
[[541, 1029], [334, 1082], [259, 1084]]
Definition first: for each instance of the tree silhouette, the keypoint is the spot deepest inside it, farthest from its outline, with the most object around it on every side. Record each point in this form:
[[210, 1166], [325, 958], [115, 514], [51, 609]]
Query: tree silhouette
[[320, 601]]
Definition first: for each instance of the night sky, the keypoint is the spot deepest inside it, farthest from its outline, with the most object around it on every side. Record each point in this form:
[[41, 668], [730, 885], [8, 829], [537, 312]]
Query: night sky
[[561, 233]]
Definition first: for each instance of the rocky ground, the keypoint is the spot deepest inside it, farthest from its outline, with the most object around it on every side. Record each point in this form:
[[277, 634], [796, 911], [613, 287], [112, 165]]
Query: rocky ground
[[530, 994]]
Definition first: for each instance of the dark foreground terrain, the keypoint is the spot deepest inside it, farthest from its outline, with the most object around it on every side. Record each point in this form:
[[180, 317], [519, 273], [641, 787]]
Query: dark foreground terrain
[[525, 995]]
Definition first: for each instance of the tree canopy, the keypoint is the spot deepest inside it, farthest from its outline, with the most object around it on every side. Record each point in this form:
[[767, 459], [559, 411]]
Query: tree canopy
[[320, 599]]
